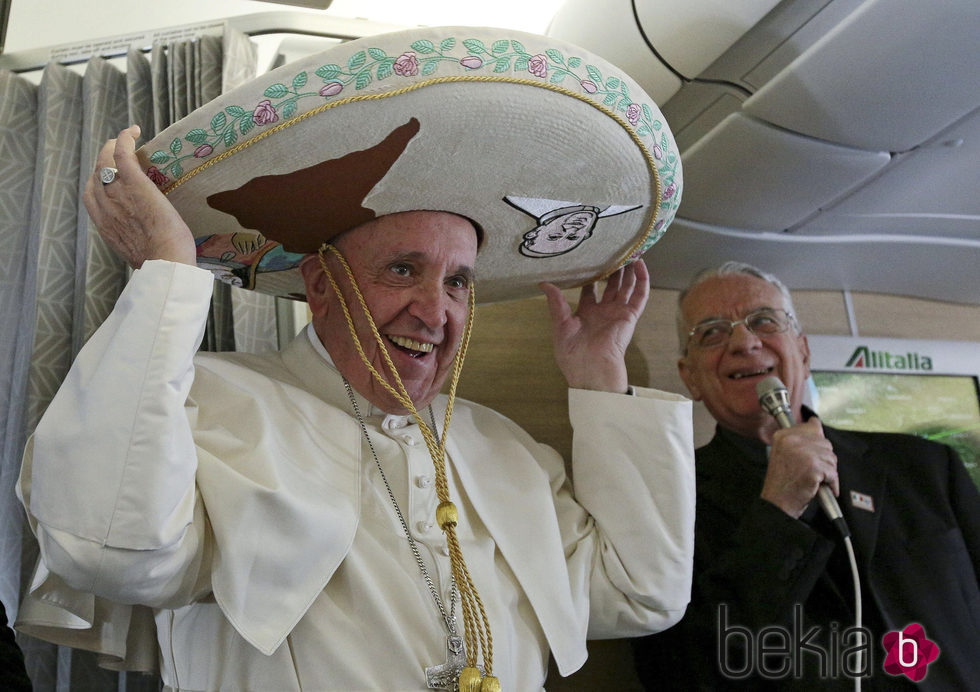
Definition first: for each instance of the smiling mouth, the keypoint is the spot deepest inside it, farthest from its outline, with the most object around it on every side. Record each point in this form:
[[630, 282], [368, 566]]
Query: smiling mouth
[[415, 349], [754, 373]]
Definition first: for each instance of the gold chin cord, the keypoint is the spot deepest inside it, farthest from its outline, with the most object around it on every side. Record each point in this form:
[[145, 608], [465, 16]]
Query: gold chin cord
[[476, 625]]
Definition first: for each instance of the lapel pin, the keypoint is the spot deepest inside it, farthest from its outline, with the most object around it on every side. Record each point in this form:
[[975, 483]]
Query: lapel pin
[[862, 501]]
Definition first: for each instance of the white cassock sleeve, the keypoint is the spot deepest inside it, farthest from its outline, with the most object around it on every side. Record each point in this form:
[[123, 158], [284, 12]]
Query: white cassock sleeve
[[110, 434], [633, 471]]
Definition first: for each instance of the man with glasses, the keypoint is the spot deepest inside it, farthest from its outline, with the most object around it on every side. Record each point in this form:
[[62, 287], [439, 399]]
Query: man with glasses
[[773, 602]]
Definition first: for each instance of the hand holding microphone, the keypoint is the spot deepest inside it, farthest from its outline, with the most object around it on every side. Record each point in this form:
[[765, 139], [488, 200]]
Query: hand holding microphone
[[805, 453]]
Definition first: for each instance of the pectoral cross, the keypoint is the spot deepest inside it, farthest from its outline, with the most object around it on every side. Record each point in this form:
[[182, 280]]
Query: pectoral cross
[[446, 676]]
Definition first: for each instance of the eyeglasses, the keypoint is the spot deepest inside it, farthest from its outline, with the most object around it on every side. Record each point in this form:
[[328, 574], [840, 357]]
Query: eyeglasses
[[763, 322]]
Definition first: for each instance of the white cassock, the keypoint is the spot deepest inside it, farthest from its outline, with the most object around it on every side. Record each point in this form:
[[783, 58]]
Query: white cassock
[[233, 500]]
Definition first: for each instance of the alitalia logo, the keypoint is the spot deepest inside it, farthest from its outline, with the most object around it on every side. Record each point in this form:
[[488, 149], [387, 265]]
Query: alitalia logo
[[864, 357]]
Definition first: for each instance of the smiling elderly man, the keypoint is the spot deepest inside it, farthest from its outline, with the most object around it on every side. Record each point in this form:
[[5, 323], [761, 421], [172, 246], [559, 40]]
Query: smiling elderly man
[[772, 605], [309, 519]]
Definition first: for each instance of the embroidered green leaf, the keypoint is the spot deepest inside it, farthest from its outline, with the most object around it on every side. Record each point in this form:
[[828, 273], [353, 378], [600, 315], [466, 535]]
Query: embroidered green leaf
[[328, 72], [230, 137], [555, 56], [385, 69], [557, 77], [218, 121], [289, 109], [177, 170], [671, 159], [624, 90], [197, 136], [500, 47], [574, 62], [235, 111], [518, 47], [276, 91], [647, 112], [594, 73], [643, 130], [356, 61], [377, 54], [475, 46], [363, 79], [613, 83], [246, 124], [159, 156], [429, 66], [502, 65], [610, 99], [424, 47], [447, 44], [520, 64], [663, 141], [299, 81], [657, 125]]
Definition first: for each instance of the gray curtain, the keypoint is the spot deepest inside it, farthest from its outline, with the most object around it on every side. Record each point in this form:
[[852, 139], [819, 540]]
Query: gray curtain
[[58, 279]]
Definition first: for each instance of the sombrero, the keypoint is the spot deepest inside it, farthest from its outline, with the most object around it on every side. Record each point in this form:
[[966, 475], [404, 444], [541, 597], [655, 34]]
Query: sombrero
[[563, 162]]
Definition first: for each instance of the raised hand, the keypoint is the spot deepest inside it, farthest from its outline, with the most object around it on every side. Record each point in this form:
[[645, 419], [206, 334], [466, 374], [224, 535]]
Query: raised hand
[[590, 343], [131, 214]]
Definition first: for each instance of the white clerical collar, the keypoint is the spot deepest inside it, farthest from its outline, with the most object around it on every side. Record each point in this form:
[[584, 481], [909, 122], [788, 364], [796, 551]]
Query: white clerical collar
[[318, 345]]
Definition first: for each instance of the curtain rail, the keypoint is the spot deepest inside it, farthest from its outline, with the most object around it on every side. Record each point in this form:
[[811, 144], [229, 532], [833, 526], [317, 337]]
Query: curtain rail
[[257, 24]]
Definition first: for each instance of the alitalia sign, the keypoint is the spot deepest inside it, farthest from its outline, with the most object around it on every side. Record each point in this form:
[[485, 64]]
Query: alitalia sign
[[876, 354], [866, 357]]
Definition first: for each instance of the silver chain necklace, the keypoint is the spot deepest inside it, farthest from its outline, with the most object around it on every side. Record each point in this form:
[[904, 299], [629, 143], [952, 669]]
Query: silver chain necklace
[[442, 677]]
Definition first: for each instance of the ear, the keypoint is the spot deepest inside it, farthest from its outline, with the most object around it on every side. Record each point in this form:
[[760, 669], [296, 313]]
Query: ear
[[317, 285], [687, 376]]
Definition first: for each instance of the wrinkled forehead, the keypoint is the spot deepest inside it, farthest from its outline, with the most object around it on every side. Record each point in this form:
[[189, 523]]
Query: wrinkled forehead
[[416, 236]]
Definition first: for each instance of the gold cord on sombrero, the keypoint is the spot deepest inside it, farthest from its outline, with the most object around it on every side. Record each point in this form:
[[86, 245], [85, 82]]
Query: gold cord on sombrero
[[476, 624]]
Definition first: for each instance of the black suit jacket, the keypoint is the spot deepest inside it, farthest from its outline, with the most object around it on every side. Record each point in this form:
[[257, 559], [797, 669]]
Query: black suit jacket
[[917, 543]]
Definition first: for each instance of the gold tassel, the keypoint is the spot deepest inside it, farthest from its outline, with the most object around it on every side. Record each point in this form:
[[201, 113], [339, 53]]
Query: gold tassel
[[490, 684], [470, 680]]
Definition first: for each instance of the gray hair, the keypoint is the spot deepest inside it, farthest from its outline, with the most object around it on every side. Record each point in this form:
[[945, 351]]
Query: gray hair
[[730, 268]]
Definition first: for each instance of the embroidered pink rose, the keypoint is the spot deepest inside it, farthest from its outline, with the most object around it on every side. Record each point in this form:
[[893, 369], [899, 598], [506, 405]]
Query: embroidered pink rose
[[589, 86], [331, 89], [658, 153], [407, 65], [538, 65], [633, 113], [670, 190], [203, 150], [472, 62], [264, 113], [659, 224], [154, 174]]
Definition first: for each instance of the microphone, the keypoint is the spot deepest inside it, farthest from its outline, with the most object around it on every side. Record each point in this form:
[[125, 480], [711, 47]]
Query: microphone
[[774, 399]]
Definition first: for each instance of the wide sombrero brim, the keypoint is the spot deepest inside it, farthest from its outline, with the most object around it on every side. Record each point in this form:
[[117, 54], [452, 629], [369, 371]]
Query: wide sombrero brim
[[564, 162]]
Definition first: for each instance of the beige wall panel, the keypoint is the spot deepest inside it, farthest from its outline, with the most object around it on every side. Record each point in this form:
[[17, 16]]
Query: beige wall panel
[[911, 318]]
